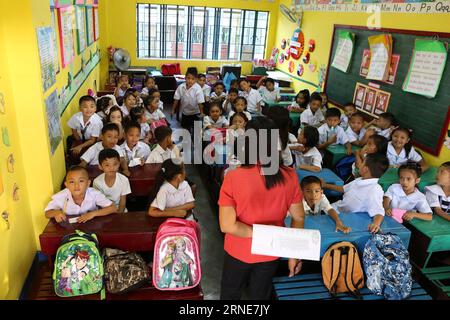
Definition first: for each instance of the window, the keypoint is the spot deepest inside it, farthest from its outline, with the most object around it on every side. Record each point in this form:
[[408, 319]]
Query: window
[[187, 32]]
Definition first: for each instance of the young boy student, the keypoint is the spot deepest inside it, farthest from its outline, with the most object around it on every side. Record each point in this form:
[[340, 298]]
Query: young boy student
[[252, 96], [122, 86], [364, 194], [110, 137], [78, 199], [315, 202], [331, 133], [312, 116], [268, 91], [86, 124], [111, 183], [165, 149]]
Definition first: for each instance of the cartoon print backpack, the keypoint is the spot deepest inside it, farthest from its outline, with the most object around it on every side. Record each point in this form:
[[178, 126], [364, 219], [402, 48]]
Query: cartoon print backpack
[[176, 260], [78, 266], [341, 269], [124, 271], [386, 263]]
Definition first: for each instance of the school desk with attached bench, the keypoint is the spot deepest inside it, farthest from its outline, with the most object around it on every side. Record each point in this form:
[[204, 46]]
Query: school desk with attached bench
[[391, 176]]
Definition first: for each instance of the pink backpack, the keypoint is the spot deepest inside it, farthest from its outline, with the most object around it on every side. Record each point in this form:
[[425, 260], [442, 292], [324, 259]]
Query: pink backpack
[[176, 260]]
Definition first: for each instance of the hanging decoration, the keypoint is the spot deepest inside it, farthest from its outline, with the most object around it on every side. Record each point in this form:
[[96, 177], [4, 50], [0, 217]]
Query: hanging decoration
[[321, 77], [300, 70], [274, 56], [287, 55], [291, 66], [297, 44], [283, 44], [15, 194], [306, 58], [10, 163], [281, 58], [5, 137], [311, 45], [313, 65]]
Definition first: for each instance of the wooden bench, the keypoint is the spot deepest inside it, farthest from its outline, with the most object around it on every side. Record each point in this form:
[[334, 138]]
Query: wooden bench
[[311, 287]]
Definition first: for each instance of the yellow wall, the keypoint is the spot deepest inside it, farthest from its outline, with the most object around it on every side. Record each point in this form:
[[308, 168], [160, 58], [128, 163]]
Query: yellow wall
[[319, 26], [37, 173], [118, 28]]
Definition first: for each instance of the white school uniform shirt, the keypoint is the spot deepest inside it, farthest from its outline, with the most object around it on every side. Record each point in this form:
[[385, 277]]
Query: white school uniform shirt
[[121, 187], [159, 155], [344, 122], [145, 129], [206, 90], [269, 96], [353, 136], [362, 195], [249, 116], [385, 133], [145, 90], [400, 200], [311, 158], [160, 105], [399, 159], [92, 128], [140, 150], [122, 92], [311, 119], [189, 98], [222, 122], [325, 133], [227, 107], [436, 198], [214, 96], [168, 196], [286, 154], [92, 200], [124, 110], [253, 98], [91, 155], [323, 205], [155, 115]]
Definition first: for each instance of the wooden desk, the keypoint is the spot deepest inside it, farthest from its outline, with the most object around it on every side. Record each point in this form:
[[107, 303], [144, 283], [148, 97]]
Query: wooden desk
[[327, 175], [359, 235], [132, 231], [142, 178], [337, 152], [278, 104], [391, 176]]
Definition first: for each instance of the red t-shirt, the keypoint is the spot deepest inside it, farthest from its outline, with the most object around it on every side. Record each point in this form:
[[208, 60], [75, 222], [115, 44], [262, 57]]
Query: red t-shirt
[[244, 189]]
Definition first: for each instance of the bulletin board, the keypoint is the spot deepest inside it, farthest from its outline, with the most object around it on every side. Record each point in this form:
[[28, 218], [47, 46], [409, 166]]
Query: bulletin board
[[428, 118], [66, 23]]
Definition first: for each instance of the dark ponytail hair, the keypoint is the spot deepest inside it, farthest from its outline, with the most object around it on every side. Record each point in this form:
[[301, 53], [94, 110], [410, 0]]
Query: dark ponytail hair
[[280, 116], [103, 103], [381, 143], [413, 166], [409, 145], [168, 171]]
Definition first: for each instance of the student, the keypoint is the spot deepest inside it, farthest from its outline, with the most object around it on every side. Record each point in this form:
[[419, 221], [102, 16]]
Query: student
[[137, 95], [238, 121], [110, 137], [405, 196], [356, 132], [129, 102], [165, 148], [268, 91], [104, 104], [149, 84], [384, 125], [364, 194], [157, 95], [122, 86], [280, 116], [174, 196], [215, 119], [325, 105], [349, 109], [78, 199], [307, 157], [137, 114], [234, 84], [86, 124], [315, 202], [400, 149], [331, 133], [136, 152], [111, 183], [252, 96], [240, 106], [189, 96], [228, 104], [201, 80], [301, 101], [219, 94], [438, 195], [115, 115], [375, 144], [313, 116], [152, 111]]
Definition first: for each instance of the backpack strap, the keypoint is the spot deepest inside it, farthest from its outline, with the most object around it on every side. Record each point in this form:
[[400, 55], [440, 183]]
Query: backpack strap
[[348, 277], [335, 269]]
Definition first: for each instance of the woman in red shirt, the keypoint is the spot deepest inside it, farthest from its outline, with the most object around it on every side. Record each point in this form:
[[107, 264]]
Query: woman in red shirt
[[249, 196]]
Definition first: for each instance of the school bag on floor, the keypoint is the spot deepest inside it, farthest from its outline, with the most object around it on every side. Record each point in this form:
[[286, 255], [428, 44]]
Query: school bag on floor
[[176, 259], [341, 269], [124, 271], [343, 167], [386, 263], [78, 266]]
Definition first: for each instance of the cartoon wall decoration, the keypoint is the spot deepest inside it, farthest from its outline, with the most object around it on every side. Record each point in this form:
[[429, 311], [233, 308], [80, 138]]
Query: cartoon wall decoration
[[281, 58], [312, 65], [10, 163], [321, 77], [311, 45], [306, 58], [291, 66], [297, 44], [283, 44], [15, 194], [2, 103], [5, 137], [300, 70]]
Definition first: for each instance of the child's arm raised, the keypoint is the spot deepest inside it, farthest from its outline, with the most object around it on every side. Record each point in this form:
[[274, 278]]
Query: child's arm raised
[[339, 225], [58, 215], [83, 163], [98, 213], [260, 81], [76, 135]]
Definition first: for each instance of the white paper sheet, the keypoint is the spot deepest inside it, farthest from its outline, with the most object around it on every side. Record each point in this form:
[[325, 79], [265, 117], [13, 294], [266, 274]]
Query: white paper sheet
[[73, 220], [286, 242]]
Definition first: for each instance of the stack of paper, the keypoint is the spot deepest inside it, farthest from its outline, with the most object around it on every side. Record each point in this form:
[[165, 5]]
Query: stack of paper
[[380, 53]]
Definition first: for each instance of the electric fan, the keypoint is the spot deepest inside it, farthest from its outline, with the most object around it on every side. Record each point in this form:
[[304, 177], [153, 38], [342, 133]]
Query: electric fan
[[291, 14], [121, 59]]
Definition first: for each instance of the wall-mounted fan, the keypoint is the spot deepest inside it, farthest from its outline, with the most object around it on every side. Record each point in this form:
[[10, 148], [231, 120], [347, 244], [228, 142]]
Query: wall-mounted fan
[[121, 59], [291, 14]]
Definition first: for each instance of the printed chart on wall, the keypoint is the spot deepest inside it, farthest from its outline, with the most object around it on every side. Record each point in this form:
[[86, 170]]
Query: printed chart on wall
[[96, 25], [55, 44], [370, 100], [65, 20], [426, 68], [90, 25], [380, 57], [344, 51], [53, 120], [48, 55], [81, 28], [364, 69]]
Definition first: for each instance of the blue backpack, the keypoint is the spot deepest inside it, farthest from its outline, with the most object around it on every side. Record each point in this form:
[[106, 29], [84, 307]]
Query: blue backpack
[[344, 167], [387, 267]]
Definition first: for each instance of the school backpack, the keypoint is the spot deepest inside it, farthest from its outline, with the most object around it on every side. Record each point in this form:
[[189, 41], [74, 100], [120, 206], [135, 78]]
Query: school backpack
[[386, 263], [343, 167], [78, 266], [170, 69], [124, 271], [341, 269], [176, 259]]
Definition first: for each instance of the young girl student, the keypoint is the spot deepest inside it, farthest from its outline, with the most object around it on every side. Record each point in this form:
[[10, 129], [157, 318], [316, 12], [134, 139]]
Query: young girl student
[[215, 119], [137, 114], [149, 84], [240, 105], [252, 96], [307, 157], [218, 94], [174, 196], [136, 152], [129, 102], [152, 111], [301, 101], [228, 104], [400, 149], [438, 195], [356, 132], [375, 144], [154, 93], [122, 86], [115, 115], [405, 196]]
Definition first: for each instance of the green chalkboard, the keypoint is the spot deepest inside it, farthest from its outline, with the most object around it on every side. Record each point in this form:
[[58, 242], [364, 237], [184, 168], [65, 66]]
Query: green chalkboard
[[428, 118]]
